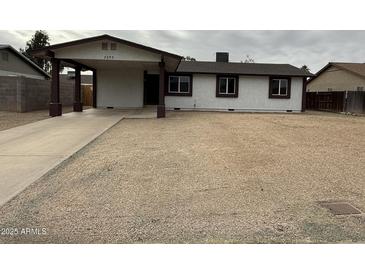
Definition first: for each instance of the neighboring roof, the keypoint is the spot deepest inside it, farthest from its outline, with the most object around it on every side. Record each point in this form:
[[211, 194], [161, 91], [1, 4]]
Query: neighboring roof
[[355, 68], [241, 68], [105, 37], [25, 59]]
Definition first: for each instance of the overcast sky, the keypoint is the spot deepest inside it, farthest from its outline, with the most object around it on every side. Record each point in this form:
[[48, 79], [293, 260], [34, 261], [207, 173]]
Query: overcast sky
[[313, 48]]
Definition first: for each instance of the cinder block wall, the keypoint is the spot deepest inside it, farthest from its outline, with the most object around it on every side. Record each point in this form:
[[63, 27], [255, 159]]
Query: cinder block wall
[[22, 94], [8, 96]]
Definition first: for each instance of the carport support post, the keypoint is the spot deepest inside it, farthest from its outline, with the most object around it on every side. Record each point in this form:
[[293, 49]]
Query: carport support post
[[161, 95], [77, 102], [304, 94], [94, 88], [55, 107]]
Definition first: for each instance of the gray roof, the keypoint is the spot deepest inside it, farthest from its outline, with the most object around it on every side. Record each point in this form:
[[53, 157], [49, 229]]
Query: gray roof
[[241, 68], [25, 59]]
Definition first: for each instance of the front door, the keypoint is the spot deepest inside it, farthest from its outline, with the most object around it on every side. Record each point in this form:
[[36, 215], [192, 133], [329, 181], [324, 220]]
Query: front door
[[151, 88]]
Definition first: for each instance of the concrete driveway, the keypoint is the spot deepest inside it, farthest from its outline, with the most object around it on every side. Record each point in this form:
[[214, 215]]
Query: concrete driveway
[[28, 152]]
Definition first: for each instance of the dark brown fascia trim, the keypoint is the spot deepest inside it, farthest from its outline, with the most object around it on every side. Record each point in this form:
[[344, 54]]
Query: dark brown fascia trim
[[178, 67], [274, 96], [189, 94], [106, 37], [75, 63], [45, 53], [49, 53], [235, 95]]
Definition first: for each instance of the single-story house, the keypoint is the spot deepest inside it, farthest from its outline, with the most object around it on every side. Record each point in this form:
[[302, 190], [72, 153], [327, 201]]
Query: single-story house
[[14, 63], [338, 87], [131, 75]]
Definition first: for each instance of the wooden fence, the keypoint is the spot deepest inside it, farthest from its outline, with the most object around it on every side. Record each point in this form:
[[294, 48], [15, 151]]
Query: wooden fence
[[87, 94], [336, 101]]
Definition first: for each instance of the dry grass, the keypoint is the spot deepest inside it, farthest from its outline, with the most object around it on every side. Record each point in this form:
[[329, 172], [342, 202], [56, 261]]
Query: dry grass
[[203, 178]]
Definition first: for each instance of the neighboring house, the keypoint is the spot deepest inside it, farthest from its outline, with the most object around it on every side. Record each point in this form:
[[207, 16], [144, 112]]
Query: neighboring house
[[130, 75], [338, 87], [14, 63], [337, 76], [24, 86]]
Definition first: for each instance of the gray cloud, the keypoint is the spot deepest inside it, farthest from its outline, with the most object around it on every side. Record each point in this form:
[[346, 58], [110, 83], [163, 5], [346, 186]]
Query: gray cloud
[[313, 48]]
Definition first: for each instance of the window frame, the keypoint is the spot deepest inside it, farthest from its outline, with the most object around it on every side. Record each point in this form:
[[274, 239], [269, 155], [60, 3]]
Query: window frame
[[278, 96], [173, 93], [236, 84]]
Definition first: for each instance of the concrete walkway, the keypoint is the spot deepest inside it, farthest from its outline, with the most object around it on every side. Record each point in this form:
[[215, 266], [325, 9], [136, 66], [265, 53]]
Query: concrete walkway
[[28, 152]]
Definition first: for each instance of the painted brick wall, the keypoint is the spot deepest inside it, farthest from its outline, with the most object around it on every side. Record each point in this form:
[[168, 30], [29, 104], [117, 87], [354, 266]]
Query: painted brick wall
[[22, 94], [253, 95]]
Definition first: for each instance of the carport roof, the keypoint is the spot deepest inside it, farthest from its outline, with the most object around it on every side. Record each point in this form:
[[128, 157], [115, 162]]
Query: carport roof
[[241, 68], [44, 51]]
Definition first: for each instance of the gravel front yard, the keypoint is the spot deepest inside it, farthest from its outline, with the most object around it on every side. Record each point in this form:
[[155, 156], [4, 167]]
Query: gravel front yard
[[203, 178]]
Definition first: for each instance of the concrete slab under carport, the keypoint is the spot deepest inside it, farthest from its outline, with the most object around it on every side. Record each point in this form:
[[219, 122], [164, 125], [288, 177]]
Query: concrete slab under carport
[[30, 151]]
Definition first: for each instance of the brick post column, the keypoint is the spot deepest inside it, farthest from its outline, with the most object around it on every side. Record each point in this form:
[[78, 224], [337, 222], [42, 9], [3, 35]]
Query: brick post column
[[94, 88], [77, 102], [55, 107], [161, 113]]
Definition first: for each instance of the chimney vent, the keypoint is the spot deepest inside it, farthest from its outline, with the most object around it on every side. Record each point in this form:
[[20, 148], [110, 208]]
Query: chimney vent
[[222, 57]]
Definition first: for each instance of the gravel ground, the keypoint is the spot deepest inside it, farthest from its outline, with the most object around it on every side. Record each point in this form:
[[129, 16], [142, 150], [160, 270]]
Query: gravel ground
[[14, 119], [202, 178]]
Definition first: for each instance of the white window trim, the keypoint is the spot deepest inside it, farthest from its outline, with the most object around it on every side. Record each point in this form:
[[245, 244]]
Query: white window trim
[[178, 84], [287, 87], [226, 92]]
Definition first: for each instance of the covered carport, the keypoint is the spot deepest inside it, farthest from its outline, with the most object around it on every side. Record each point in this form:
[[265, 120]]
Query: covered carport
[[120, 72]]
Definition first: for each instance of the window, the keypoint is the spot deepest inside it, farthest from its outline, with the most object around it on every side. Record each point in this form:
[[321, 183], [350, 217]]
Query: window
[[104, 46], [113, 46], [227, 86], [279, 88], [360, 88], [179, 85], [5, 56]]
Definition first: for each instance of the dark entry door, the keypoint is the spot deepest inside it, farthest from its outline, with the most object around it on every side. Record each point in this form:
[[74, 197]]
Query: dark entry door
[[151, 89]]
